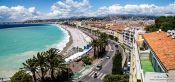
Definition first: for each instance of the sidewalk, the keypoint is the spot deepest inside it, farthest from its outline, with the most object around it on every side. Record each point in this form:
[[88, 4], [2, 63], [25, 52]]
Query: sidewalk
[[79, 74], [85, 70]]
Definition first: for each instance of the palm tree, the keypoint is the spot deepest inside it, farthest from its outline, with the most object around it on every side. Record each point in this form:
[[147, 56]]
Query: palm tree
[[41, 63], [30, 65], [55, 62], [103, 39], [94, 44]]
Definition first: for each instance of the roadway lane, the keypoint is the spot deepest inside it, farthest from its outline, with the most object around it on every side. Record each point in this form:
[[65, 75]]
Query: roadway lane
[[106, 67]]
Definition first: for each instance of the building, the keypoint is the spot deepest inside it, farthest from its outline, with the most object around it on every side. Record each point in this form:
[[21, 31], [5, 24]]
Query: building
[[130, 33], [157, 55]]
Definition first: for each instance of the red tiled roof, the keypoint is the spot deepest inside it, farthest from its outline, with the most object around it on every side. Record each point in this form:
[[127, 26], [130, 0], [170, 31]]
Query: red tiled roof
[[164, 47]]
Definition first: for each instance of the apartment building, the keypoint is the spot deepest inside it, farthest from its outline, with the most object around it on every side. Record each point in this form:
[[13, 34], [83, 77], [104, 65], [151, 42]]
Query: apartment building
[[157, 56], [130, 33]]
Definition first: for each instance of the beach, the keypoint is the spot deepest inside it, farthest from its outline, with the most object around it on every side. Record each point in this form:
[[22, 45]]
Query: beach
[[77, 39]]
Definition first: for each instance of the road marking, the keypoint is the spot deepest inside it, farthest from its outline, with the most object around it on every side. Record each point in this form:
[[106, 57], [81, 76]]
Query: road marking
[[102, 77], [98, 73], [91, 73]]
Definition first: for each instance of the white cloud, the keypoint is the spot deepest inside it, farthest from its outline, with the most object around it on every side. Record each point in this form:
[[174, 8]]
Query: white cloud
[[148, 9], [17, 13], [69, 8]]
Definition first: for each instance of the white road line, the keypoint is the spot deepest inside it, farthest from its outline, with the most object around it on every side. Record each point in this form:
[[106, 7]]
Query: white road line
[[98, 73], [102, 77], [91, 73]]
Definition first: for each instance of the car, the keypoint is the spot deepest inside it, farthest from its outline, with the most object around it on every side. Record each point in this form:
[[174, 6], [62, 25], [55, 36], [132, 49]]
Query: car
[[95, 75], [98, 67], [129, 63], [107, 57]]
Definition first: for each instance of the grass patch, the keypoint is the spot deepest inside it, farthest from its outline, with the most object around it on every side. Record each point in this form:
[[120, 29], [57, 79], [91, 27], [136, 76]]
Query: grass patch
[[147, 66]]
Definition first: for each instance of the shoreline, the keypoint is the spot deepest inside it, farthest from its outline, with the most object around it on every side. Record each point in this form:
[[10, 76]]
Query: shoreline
[[77, 39], [66, 40], [67, 44]]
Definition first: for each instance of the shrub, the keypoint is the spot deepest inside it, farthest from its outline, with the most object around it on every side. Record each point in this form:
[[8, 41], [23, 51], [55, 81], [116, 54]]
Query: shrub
[[21, 76], [116, 78], [86, 60]]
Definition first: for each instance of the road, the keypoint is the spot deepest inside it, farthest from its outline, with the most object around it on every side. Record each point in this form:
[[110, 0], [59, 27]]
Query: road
[[106, 66]]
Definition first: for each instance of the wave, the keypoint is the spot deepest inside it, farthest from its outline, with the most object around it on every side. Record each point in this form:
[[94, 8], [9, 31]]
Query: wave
[[62, 44]]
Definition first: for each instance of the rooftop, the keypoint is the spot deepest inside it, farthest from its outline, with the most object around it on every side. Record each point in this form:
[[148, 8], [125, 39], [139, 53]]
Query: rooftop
[[164, 47]]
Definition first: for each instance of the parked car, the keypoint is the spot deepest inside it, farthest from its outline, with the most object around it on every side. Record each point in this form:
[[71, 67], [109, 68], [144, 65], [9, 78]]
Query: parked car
[[98, 67], [107, 57]]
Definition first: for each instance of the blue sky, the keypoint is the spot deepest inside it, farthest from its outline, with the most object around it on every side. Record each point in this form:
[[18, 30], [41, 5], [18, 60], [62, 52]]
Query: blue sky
[[44, 5], [12, 10]]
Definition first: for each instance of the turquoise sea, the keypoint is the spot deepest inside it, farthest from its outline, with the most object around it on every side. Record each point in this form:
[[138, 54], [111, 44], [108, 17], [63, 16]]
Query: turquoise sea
[[20, 42]]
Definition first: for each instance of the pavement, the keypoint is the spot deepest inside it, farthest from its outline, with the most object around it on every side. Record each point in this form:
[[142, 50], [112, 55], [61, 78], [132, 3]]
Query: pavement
[[106, 67]]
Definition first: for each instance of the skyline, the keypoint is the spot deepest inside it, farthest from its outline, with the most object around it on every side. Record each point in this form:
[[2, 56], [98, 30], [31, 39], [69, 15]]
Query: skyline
[[21, 10]]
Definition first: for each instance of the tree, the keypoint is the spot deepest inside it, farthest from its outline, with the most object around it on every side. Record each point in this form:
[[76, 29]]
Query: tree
[[21, 76], [163, 22], [55, 62], [49, 62], [41, 63], [65, 75], [86, 60], [94, 44], [117, 64], [116, 39], [30, 65]]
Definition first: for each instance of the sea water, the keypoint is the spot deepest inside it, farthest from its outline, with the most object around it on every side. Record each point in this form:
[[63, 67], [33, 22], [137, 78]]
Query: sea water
[[20, 42]]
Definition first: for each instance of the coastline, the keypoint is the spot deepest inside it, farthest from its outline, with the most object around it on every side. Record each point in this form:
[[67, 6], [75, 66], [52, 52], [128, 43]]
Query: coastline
[[77, 39], [67, 44], [66, 40]]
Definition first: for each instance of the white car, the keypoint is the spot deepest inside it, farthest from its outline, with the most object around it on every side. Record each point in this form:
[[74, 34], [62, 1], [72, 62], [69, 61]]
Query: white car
[[107, 57], [98, 67]]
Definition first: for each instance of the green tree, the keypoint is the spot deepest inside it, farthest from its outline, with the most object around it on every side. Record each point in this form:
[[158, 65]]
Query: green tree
[[117, 64], [165, 26], [86, 60], [95, 44], [41, 63], [55, 62], [30, 65], [21, 76], [65, 75], [163, 22]]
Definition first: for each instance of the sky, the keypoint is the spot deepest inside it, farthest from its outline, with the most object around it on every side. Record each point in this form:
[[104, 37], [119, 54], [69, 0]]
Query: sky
[[21, 10]]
